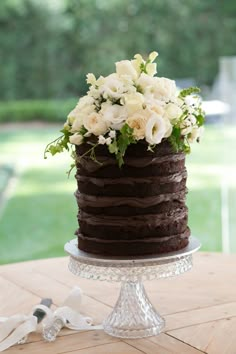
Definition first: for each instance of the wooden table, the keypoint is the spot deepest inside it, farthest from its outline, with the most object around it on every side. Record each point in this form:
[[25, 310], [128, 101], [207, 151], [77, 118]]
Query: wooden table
[[199, 307]]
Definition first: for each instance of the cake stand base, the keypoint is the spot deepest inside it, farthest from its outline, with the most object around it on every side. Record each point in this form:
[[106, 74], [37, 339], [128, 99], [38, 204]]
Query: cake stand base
[[133, 315]]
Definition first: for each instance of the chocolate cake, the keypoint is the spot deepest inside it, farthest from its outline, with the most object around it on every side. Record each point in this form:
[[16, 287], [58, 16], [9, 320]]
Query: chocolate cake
[[136, 209]]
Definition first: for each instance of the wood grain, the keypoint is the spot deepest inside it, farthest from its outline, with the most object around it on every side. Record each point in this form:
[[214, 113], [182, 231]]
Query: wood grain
[[162, 344], [199, 307], [65, 344], [212, 337]]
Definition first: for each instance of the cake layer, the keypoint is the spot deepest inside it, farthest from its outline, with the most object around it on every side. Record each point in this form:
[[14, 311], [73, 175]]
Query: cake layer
[[136, 209], [133, 167], [132, 186], [134, 150], [130, 205], [132, 227], [134, 247], [129, 210], [138, 161]]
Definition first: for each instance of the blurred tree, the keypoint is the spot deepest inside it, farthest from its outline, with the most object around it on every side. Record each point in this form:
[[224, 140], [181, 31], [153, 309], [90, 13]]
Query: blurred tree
[[46, 51], [31, 52]]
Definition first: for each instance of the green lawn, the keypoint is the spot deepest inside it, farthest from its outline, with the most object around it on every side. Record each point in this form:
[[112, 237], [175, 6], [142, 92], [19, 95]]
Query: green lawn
[[40, 214]]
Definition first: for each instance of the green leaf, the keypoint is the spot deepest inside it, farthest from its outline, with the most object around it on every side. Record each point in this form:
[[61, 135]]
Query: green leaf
[[120, 160], [83, 130], [119, 145], [113, 148], [189, 91], [200, 120]]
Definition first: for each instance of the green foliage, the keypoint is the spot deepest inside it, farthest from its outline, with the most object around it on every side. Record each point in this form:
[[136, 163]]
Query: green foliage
[[47, 50], [120, 144], [179, 142], [58, 145], [189, 91], [83, 130], [200, 119], [43, 110]]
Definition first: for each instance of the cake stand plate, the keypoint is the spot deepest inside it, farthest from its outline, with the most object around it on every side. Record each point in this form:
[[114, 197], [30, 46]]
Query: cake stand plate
[[133, 315]]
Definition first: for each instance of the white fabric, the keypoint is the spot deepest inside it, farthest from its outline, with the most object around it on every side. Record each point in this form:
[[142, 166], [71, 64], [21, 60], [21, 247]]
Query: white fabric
[[74, 320], [17, 327], [70, 315]]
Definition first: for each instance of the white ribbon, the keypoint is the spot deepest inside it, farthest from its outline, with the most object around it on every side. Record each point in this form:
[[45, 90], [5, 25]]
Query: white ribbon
[[70, 311], [68, 316], [16, 327], [74, 320]]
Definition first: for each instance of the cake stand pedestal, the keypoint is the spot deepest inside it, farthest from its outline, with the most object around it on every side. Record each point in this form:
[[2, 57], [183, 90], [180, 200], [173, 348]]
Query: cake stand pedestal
[[133, 315]]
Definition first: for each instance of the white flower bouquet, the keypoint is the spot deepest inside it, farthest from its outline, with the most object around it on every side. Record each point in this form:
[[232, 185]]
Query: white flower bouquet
[[130, 105]]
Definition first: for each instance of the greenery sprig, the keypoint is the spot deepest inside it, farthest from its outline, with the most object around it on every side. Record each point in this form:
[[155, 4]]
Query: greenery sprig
[[121, 143], [58, 145], [189, 91], [179, 142]]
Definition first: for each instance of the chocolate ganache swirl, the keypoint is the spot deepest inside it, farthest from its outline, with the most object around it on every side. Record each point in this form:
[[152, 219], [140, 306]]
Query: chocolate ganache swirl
[[134, 210]]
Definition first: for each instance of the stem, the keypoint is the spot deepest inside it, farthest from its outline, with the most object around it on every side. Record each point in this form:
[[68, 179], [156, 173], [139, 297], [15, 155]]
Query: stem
[[46, 148]]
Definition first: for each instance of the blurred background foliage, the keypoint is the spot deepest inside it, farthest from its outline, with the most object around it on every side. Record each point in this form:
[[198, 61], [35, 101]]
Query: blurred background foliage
[[47, 47]]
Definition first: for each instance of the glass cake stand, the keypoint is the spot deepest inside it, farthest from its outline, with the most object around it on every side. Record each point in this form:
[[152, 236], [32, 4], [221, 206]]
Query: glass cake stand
[[133, 315]]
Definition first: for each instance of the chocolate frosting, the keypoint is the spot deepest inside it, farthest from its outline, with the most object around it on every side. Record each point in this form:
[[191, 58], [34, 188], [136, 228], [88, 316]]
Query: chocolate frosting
[[101, 182], [145, 240], [136, 220], [85, 200], [136, 209], [102, 161]]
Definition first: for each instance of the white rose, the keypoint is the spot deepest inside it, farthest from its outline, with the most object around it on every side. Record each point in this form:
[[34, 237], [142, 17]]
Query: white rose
[[83, 108], [115, 116], [146, 82], [78, 115], [113, 87], [95, 124], [155, 129], [76, 139], [173, 111], [77, 124], [133, 102], [164, 89], [169, 128], [125, 67], [105, 106], [85, 101], [155, 106], [138, 123]]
